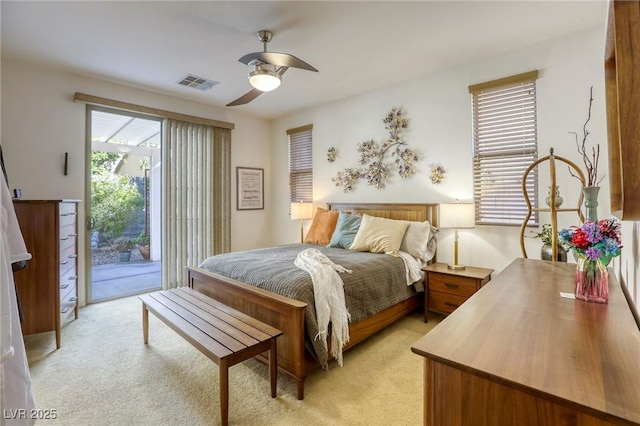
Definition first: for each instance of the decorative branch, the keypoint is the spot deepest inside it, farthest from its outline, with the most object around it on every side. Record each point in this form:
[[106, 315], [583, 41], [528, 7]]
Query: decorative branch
[[377, 171], [590, 162]]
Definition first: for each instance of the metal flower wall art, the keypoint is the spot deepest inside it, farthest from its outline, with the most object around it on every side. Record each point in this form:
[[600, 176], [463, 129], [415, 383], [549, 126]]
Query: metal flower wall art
[[437, 175], [331, 154], [377, 168]]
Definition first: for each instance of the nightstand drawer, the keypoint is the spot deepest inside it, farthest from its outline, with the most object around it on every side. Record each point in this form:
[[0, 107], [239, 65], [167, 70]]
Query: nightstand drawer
[[446, 289], [445, 302], [460, 286]]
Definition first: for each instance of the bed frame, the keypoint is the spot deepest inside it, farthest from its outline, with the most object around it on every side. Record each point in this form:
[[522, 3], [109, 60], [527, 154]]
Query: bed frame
[[287, 314]]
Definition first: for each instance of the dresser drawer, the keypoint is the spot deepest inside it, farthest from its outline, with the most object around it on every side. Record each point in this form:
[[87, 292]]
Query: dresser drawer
[[68, 257], [67, 308], [445, 302], [68, 279], [69, 293], [68, 213], [68, 236], [460, 286]]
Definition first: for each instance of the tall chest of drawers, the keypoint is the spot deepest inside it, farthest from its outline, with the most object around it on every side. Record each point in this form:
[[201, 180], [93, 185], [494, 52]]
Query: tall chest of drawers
[[48, 286]]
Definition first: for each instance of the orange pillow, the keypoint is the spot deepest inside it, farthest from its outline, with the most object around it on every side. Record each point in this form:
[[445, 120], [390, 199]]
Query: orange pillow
[[322, 227]]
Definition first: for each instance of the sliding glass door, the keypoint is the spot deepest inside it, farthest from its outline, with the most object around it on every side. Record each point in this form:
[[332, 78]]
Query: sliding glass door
[[124, 252]]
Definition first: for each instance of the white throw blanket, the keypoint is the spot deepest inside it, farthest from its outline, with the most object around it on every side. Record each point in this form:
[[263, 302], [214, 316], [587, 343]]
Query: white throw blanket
[[328, 291]]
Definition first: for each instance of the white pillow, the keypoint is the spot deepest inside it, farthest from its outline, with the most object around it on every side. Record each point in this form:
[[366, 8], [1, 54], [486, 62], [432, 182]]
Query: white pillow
[[379, 235], [419, 240]]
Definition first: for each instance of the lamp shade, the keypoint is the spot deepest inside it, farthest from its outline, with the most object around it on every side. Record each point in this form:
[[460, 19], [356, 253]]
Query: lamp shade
[[301, 211], [265, 78], [459, 216]]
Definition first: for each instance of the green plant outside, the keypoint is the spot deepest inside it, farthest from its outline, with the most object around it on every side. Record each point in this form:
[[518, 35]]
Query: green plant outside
[[142, 239], [115, 198], [122, 244]]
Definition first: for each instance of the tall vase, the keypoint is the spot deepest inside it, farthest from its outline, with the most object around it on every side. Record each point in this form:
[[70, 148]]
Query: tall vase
[[591, 202], [592, 281], [558, 197]]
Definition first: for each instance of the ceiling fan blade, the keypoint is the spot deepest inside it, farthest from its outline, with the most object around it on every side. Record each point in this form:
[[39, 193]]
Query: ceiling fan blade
[[279, 59], [246, 98], [282, 70]]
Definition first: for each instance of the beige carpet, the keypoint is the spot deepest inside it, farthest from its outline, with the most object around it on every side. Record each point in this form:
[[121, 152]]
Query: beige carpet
[[104, 375]]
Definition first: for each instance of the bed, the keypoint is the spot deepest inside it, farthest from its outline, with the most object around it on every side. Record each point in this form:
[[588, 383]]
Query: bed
[[295, 352]]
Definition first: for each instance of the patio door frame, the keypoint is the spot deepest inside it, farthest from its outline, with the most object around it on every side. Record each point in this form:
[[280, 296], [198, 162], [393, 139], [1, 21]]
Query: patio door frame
[[88, 184]]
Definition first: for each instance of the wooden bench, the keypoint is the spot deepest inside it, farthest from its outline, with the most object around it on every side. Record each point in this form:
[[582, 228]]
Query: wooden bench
[[224, 335]]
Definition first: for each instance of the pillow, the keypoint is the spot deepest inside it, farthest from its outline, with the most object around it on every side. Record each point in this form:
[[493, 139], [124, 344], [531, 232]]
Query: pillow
[[416, 240], [379, 235], [346, 230], [322, 227]]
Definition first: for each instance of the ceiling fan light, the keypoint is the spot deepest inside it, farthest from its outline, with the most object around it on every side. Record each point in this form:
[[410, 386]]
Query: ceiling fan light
[[264, 80]]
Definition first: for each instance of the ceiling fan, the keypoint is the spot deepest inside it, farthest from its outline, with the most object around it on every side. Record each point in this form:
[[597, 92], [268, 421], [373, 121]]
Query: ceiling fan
[[268, 68]]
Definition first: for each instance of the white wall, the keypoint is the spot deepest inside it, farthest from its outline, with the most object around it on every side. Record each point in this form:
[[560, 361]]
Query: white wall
[[40, 122], [439, 110]]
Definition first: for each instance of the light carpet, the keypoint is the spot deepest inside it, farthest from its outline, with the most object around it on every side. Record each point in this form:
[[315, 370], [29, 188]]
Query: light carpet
[[103, 374]]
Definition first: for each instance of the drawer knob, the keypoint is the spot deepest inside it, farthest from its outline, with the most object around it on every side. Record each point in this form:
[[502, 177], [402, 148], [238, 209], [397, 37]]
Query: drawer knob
[[73, 256], [64, 262], [65, 310], [63, 286], [73, 278], [451, 285], [73, 299], [64, 238]]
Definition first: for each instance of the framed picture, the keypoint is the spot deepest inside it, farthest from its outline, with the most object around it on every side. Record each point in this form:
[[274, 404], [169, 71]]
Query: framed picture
[[250, 183]]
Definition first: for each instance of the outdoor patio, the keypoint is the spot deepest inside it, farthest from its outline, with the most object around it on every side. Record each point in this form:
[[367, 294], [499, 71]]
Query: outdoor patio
[[113, 280]]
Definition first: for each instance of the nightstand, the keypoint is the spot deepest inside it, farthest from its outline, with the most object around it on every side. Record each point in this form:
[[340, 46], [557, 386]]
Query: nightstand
[[445, 289]]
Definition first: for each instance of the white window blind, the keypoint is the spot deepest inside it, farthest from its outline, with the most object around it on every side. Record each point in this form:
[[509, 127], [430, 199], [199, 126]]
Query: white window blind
[[505, 143], [300, 164]]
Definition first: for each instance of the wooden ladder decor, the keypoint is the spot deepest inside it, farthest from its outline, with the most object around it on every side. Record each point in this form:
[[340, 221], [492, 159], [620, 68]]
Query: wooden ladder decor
[[553, 210]]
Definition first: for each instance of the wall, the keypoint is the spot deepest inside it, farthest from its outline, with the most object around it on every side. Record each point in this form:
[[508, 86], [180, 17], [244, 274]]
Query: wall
[[40, 122], [438, 107]]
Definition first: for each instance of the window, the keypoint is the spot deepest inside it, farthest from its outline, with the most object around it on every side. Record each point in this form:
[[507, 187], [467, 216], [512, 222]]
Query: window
[[300, 164], [505, 143]]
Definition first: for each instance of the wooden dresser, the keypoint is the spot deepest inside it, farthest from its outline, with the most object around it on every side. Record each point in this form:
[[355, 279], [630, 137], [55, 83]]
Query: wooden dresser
[[47, 287], [517, 353]]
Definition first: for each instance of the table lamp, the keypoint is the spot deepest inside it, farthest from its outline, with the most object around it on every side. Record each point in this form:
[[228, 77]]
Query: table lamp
[[456, 216], [301, 211]]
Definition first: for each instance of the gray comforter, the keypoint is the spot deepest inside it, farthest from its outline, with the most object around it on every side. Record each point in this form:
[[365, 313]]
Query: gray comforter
[[377, 282]]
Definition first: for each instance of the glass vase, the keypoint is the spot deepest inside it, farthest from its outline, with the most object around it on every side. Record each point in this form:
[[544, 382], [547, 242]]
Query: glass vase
[[591, 202], [592, 281]]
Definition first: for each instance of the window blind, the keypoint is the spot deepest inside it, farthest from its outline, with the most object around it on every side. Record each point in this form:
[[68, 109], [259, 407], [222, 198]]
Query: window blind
[[196, 196], [300, 164], [505, 143]]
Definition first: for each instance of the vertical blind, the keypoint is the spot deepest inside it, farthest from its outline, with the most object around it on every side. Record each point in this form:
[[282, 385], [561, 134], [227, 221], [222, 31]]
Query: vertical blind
[[300, 164], [505, 143], [196, 170]]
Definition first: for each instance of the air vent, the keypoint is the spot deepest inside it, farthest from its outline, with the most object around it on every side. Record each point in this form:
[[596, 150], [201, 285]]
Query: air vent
[[196, 82]]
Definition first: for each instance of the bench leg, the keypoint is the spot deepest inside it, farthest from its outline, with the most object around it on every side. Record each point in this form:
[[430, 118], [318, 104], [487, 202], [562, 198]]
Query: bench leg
[[145, 323], [224, 392], [273, 366]]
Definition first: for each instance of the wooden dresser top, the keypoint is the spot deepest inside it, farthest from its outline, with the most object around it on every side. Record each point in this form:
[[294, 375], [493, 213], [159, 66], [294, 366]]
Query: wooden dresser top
[[518, 331]]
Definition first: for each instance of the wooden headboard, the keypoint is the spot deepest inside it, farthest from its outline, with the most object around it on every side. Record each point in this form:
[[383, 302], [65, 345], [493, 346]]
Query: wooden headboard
[[400, 211]]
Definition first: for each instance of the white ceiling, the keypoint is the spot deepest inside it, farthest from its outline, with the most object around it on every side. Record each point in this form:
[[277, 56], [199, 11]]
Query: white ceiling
[[357, 46]]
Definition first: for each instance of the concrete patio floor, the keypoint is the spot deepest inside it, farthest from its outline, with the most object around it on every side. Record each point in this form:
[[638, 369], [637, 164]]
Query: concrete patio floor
[[121, 279]]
